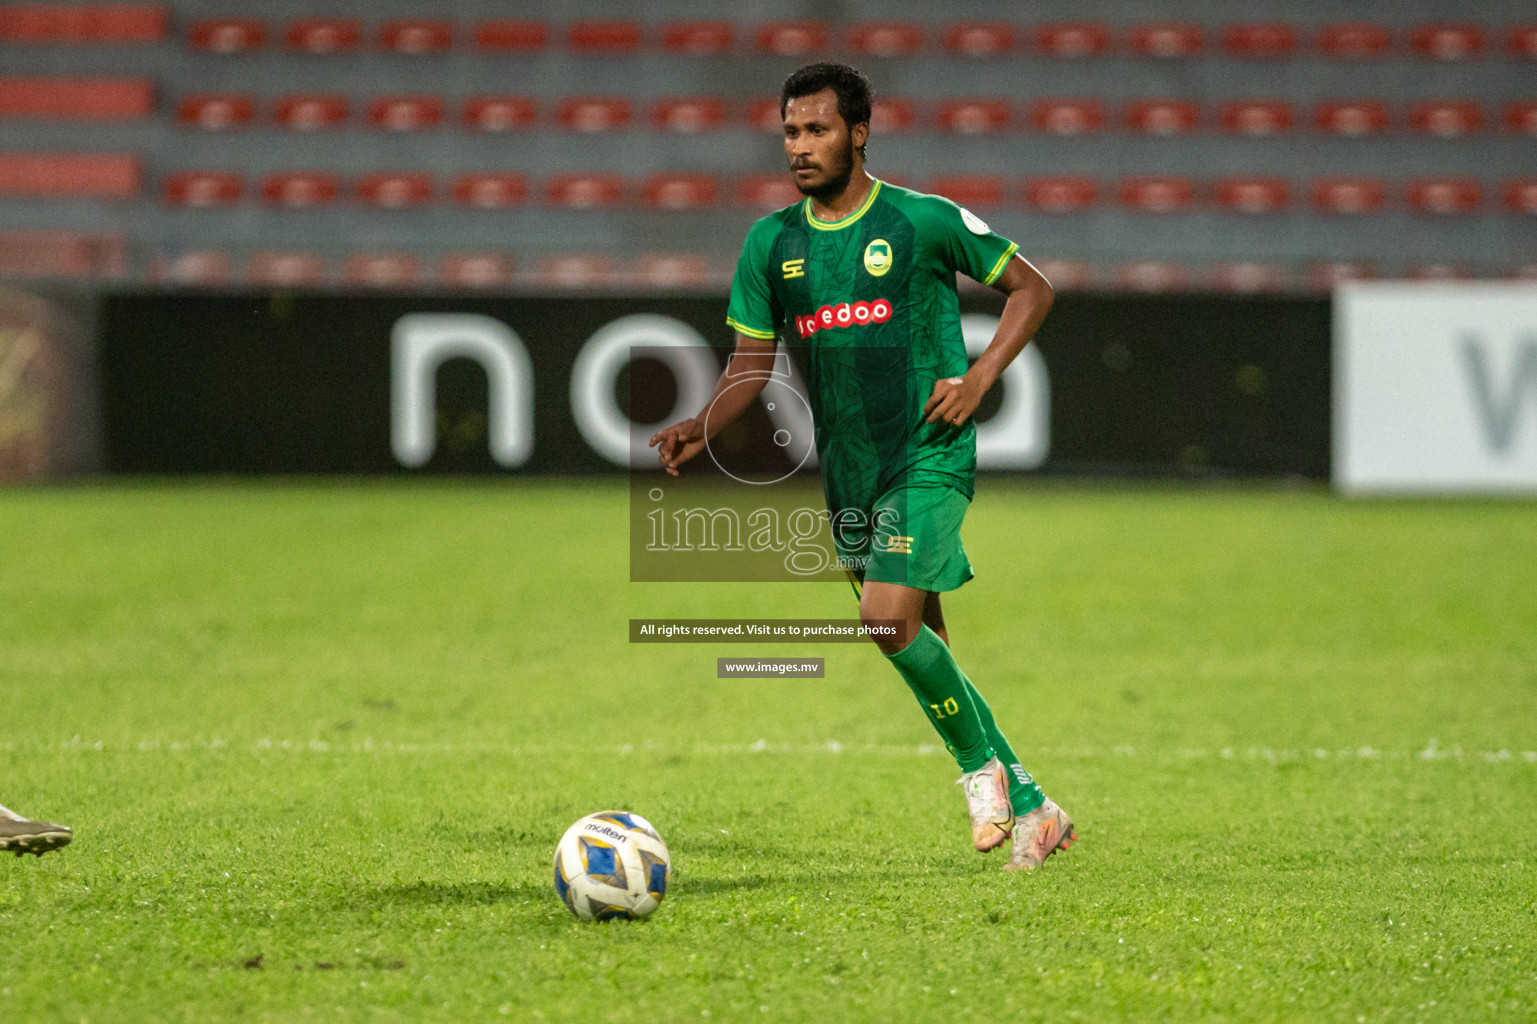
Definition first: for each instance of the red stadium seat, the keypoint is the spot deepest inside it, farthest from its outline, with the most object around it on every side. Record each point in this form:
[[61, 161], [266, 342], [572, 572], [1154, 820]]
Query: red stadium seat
[[974, 117], [1151, 276], [227, 35], [1161, 117], [1349, 196], [416, 36], [1066, 275], [1167, 39], [500, 113], [979, 38], [671, 270], [1249, 278], [677, 191], [689, 115], [1253, 194], [323, 35], [764, 115], [1445, 197], [577, 271], [202, 188], [405, 113], [1260, 39], [792, 38], [381, 270], [767, 191], [300, 189], [400, 191], [1152, 193], [1351, 118], [206, 267], [885, 38], [698, 38], [1520, 117], [82, 24], [1447, 119], [475, 270], [584, 191], [511, 36], [1522, 272], [490, 191], [310, 113], [285, 270], [76, 99], [969, 189], [1061, 194], [603, 37], [1521, 41], [1324, 276], [1257, 118], [1353, 40], [215, 113], [29, 253], [1067, 117], [893, 116], [593, 114], [1071, 39], [1521, 195], [1438, 272], [1447, 40], [70, 175]]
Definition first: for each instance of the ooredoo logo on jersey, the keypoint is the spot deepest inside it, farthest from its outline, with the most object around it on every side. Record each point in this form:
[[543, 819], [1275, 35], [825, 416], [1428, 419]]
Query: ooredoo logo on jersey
[[844, 314]]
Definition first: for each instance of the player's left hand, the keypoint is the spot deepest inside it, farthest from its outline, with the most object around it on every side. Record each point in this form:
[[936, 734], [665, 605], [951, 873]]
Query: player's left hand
[[954, 400]]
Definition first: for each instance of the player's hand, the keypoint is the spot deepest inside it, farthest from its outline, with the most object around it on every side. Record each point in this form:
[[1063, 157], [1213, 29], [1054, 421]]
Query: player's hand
[[954, 400], [678, 443]]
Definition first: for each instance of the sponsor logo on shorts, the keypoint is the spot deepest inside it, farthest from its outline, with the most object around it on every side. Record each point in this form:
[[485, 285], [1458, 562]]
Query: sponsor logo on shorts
[[844, 314], [899, 545]]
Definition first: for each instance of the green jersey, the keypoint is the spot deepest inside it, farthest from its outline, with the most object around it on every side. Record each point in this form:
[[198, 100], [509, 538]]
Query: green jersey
[[870, 302]]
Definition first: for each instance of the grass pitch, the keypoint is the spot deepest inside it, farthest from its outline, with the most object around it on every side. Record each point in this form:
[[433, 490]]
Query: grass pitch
[[318, 742]]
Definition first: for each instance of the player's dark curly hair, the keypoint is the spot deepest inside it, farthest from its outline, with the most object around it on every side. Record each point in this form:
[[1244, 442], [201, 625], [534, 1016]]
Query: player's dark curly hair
[[852, 87]]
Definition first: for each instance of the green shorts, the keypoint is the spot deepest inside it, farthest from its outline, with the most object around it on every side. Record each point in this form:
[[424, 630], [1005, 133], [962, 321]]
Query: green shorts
[[912, 536]]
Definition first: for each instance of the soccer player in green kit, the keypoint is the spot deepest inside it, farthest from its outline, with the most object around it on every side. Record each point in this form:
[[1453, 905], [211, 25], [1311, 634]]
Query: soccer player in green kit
[[862, 273]]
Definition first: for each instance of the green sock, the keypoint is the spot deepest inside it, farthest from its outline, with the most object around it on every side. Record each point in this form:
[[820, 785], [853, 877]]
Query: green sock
[[940, 686], [1024, 794]]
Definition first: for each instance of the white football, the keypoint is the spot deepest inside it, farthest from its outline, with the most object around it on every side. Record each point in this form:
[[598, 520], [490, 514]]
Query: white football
[[612, 864]]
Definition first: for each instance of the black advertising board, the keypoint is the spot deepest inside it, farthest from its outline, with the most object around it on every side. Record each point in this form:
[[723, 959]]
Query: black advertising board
[[313, 383]]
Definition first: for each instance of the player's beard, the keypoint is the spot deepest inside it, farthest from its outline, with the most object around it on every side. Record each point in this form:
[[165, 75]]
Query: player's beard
[[838, 177]]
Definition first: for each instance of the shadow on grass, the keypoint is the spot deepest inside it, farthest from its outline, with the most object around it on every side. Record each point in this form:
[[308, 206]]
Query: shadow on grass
[[442, 894]]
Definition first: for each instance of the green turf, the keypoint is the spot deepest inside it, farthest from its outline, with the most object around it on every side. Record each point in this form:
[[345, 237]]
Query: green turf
[[318, 743]]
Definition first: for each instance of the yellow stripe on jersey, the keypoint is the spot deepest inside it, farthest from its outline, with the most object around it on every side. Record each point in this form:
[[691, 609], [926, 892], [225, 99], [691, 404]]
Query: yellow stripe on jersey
[[839, 225], [751, 332], [1003, 261]]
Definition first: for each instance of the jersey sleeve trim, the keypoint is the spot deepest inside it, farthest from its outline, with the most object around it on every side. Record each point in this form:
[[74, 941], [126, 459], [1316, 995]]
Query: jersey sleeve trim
[[751, 332], [1003, 261]]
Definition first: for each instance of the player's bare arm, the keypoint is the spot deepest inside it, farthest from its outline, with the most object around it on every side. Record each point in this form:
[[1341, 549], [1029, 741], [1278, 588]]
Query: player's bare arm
[[955, 399], [739, 385]]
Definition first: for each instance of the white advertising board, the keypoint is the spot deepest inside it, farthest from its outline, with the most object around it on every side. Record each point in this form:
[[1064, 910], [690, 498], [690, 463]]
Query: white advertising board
[[1435, 388]]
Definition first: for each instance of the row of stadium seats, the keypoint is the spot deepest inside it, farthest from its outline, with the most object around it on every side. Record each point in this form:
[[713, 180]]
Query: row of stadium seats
[[97, 24]]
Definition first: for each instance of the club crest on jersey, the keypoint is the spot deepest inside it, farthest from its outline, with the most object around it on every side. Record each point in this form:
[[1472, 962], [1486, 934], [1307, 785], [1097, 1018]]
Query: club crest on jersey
[[878, 257], [844, 314]]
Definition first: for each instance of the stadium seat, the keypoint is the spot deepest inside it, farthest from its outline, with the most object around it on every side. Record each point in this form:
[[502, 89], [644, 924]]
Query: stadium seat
[[310, 113], [70, 175], [1447, 119], [1521, 41], [1253, 194], [416, 36], [1260, 39], [202, 188], [584, 191], [500, 113], [76, 99], [511, 36], [1161, 117], [1446, 271], [405, 113], [82, 24], [300, 189], [200, 267], [1351, 118], [671, 270], [591, 114], [767, 191], [979, 38], [1153, 193], [1167, 39], [974, 116], [698, 38], [791, 38], [1256, 118], [1353, 40], [215, 112], [1248, 278], [227, 35], [885, 38], [493, 191], [475, 270], [1323, 276], [1349, 195], [1443, 197], [979, 190], [764, 115], [381, 270], [1061, 193], [1151, 276], [678, 191], [603, 37], [74, 254], [689, 115], [1066, 275], [893, 116], [322, 36], [1521, 196], [285, 270], [1071, 39], [1521, 117], [1522, 272], [395, 191], [1447, 40], [1067, 117], [578, 271]]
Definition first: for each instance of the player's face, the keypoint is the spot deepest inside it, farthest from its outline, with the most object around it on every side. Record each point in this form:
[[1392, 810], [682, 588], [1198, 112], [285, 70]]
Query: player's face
[[819, 145]]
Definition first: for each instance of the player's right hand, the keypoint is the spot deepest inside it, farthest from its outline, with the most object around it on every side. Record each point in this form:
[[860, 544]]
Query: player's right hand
[[678, 443]]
